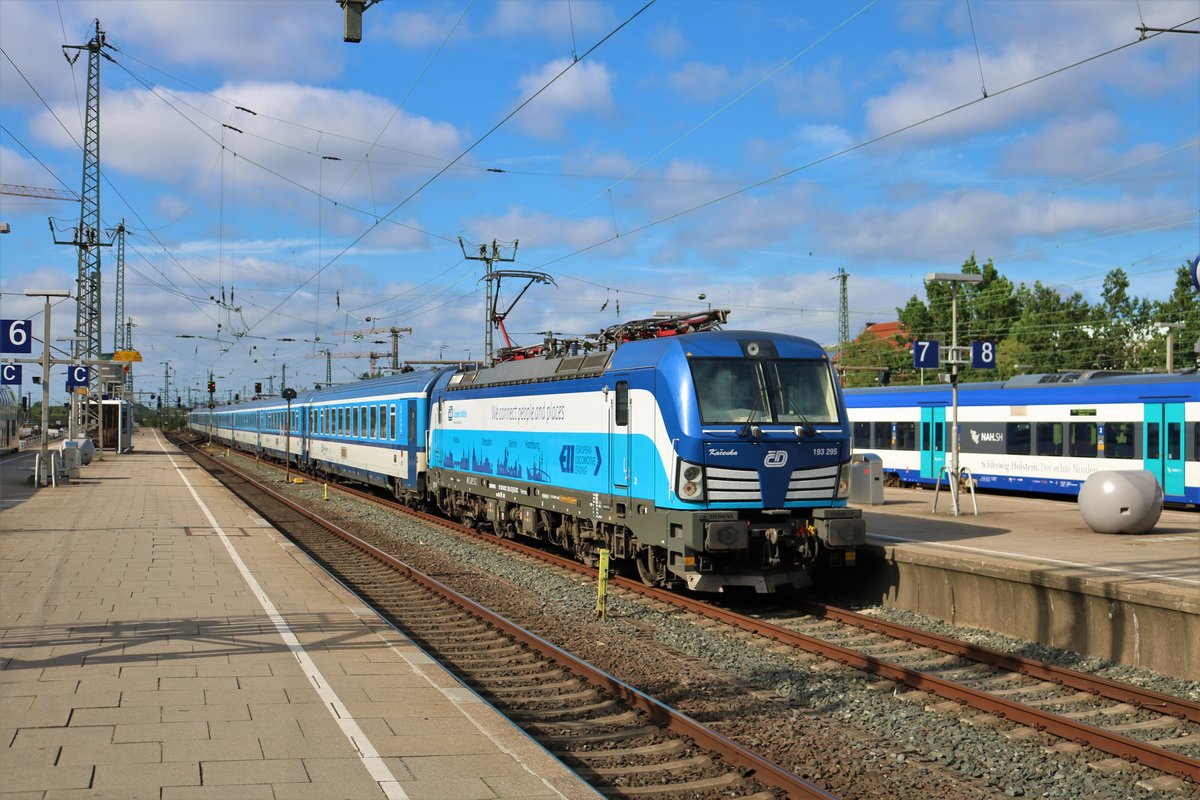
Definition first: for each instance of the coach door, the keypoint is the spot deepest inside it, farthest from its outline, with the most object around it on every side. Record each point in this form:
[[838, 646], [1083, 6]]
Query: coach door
[[933, 441], [619, 444], [1162, 445]]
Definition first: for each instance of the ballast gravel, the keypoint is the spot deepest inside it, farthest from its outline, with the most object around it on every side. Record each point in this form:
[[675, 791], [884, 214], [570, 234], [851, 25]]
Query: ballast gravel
[[846, 732]]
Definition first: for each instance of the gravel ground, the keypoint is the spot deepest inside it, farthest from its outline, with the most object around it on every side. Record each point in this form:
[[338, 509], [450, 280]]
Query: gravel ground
[[821, 721]]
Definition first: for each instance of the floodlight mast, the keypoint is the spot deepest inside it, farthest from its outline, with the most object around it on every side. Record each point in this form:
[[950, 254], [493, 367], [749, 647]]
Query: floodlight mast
[[954, 279]]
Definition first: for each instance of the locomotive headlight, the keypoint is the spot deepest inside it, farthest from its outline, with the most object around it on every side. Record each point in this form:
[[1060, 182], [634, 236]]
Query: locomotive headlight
[[689, 481], [843, 485]]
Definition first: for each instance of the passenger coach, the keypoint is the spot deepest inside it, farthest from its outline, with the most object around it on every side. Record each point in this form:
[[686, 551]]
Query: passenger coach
[[1038, 433]]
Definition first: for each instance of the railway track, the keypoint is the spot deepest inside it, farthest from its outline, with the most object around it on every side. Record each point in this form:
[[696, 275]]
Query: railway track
[[1123, 721], [625, 743]]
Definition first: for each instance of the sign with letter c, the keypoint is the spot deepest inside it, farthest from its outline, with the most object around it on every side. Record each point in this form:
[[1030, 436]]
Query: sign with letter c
[[77, 375], [10, 375]]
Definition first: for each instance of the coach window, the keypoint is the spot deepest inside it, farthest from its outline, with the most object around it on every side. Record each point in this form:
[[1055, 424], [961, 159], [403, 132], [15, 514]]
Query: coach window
[[1196, 442], [374, 429], [883, 436], [939, 441], [1118, 440], [862, 435], [906, 436], [1016, 438], [1083, 439], [392, 430], [1049, 439], [1152, 437], [363, 417], [1174, 441]]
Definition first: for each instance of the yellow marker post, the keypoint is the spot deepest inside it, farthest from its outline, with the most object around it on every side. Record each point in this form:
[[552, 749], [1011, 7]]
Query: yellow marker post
[[326, 491], [602, 587]]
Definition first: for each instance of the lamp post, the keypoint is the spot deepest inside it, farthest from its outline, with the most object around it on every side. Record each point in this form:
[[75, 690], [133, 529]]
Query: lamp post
[[1169, 328], [45, 448], [954, 279]]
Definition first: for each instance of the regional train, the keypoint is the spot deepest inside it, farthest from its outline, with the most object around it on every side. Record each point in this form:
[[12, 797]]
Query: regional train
[[10, 430], [1038, 433], [703, 459]]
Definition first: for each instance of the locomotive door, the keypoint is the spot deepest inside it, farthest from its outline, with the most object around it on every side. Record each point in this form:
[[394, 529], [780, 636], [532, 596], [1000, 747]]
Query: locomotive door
[[933, 441], [1162, 445], [619, 443]]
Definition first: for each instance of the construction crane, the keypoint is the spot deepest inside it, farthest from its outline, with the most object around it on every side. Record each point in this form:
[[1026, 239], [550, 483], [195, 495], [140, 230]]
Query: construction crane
[[374, 356], [394, 333], [37, 191]]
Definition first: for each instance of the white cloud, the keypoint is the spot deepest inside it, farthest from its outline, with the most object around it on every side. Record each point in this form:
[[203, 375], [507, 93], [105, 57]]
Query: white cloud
[[667, 41], [585, 89], [706, 82], [1076, 147]]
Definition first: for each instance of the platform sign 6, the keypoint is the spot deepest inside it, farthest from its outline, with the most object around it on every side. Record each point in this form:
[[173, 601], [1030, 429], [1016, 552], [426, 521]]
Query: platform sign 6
[[16, 336], [77, 375], [10, 375], [925, 354], [983, 355]]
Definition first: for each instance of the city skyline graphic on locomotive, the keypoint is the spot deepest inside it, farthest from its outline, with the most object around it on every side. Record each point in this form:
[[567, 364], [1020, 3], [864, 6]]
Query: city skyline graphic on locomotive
[[701, 458], [1038, 433]]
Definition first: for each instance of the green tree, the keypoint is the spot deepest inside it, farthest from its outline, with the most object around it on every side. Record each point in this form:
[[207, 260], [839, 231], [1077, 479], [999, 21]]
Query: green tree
[[1183, 305]]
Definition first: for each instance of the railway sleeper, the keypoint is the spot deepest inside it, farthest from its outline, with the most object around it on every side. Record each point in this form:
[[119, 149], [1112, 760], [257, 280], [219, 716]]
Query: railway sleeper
[[680, 763], [616, 720], [657, 748], [548, 714]]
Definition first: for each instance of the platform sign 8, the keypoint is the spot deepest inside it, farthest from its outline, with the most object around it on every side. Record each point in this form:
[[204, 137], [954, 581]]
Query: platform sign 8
[[925, 354], [16, 336], [983, 355]]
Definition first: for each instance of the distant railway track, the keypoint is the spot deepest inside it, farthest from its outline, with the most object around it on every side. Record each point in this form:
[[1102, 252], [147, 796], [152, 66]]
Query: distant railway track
[[1118, 719], [624, 742]]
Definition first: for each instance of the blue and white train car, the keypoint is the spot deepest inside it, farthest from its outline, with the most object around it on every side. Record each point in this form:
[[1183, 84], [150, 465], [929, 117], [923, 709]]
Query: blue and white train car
[[1038, 433], [712, 460], [373, 432]]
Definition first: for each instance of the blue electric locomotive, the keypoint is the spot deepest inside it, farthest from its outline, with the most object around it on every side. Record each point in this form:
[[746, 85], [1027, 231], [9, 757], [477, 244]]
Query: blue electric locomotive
[[712, 460]]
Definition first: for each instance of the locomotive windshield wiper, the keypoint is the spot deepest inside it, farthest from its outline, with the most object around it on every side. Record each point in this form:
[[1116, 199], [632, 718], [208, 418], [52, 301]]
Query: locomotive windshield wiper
[[748, 427]]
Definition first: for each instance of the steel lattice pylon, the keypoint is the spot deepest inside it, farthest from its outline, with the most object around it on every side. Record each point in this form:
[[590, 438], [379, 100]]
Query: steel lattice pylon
[[87, 239]]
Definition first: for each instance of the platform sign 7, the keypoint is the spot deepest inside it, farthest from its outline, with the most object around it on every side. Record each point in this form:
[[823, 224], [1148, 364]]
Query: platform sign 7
[[925, 354], [77, 375], [16, 336], [983, 355]]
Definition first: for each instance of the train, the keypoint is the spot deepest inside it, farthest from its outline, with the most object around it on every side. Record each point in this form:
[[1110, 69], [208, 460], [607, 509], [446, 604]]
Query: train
[[702, 459], [10, 423], [1038, 433]]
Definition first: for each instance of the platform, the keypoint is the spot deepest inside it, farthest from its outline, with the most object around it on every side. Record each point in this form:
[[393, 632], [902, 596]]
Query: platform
[[1033, 569], [161, 640]]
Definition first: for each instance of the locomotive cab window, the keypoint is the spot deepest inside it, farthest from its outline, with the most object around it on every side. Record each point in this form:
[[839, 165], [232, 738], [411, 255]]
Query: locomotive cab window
[[780, 391]]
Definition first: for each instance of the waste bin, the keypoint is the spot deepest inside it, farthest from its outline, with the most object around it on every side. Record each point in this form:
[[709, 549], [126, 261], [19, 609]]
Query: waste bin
[[85, 447], [70, 461], [866, 479]]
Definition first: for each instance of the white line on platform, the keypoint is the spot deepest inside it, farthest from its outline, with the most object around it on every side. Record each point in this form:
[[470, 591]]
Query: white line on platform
[[341, 715], [1043, 559]]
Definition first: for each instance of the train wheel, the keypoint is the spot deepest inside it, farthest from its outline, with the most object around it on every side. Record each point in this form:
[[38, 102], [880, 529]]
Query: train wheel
[[652, 570]]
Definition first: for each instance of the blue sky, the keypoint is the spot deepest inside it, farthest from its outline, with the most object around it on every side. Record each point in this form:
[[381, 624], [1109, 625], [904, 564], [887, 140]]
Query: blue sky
[[740, 150]]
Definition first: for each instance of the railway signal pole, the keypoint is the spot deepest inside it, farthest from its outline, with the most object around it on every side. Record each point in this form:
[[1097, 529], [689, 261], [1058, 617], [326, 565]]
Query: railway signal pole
[[955, 358]]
